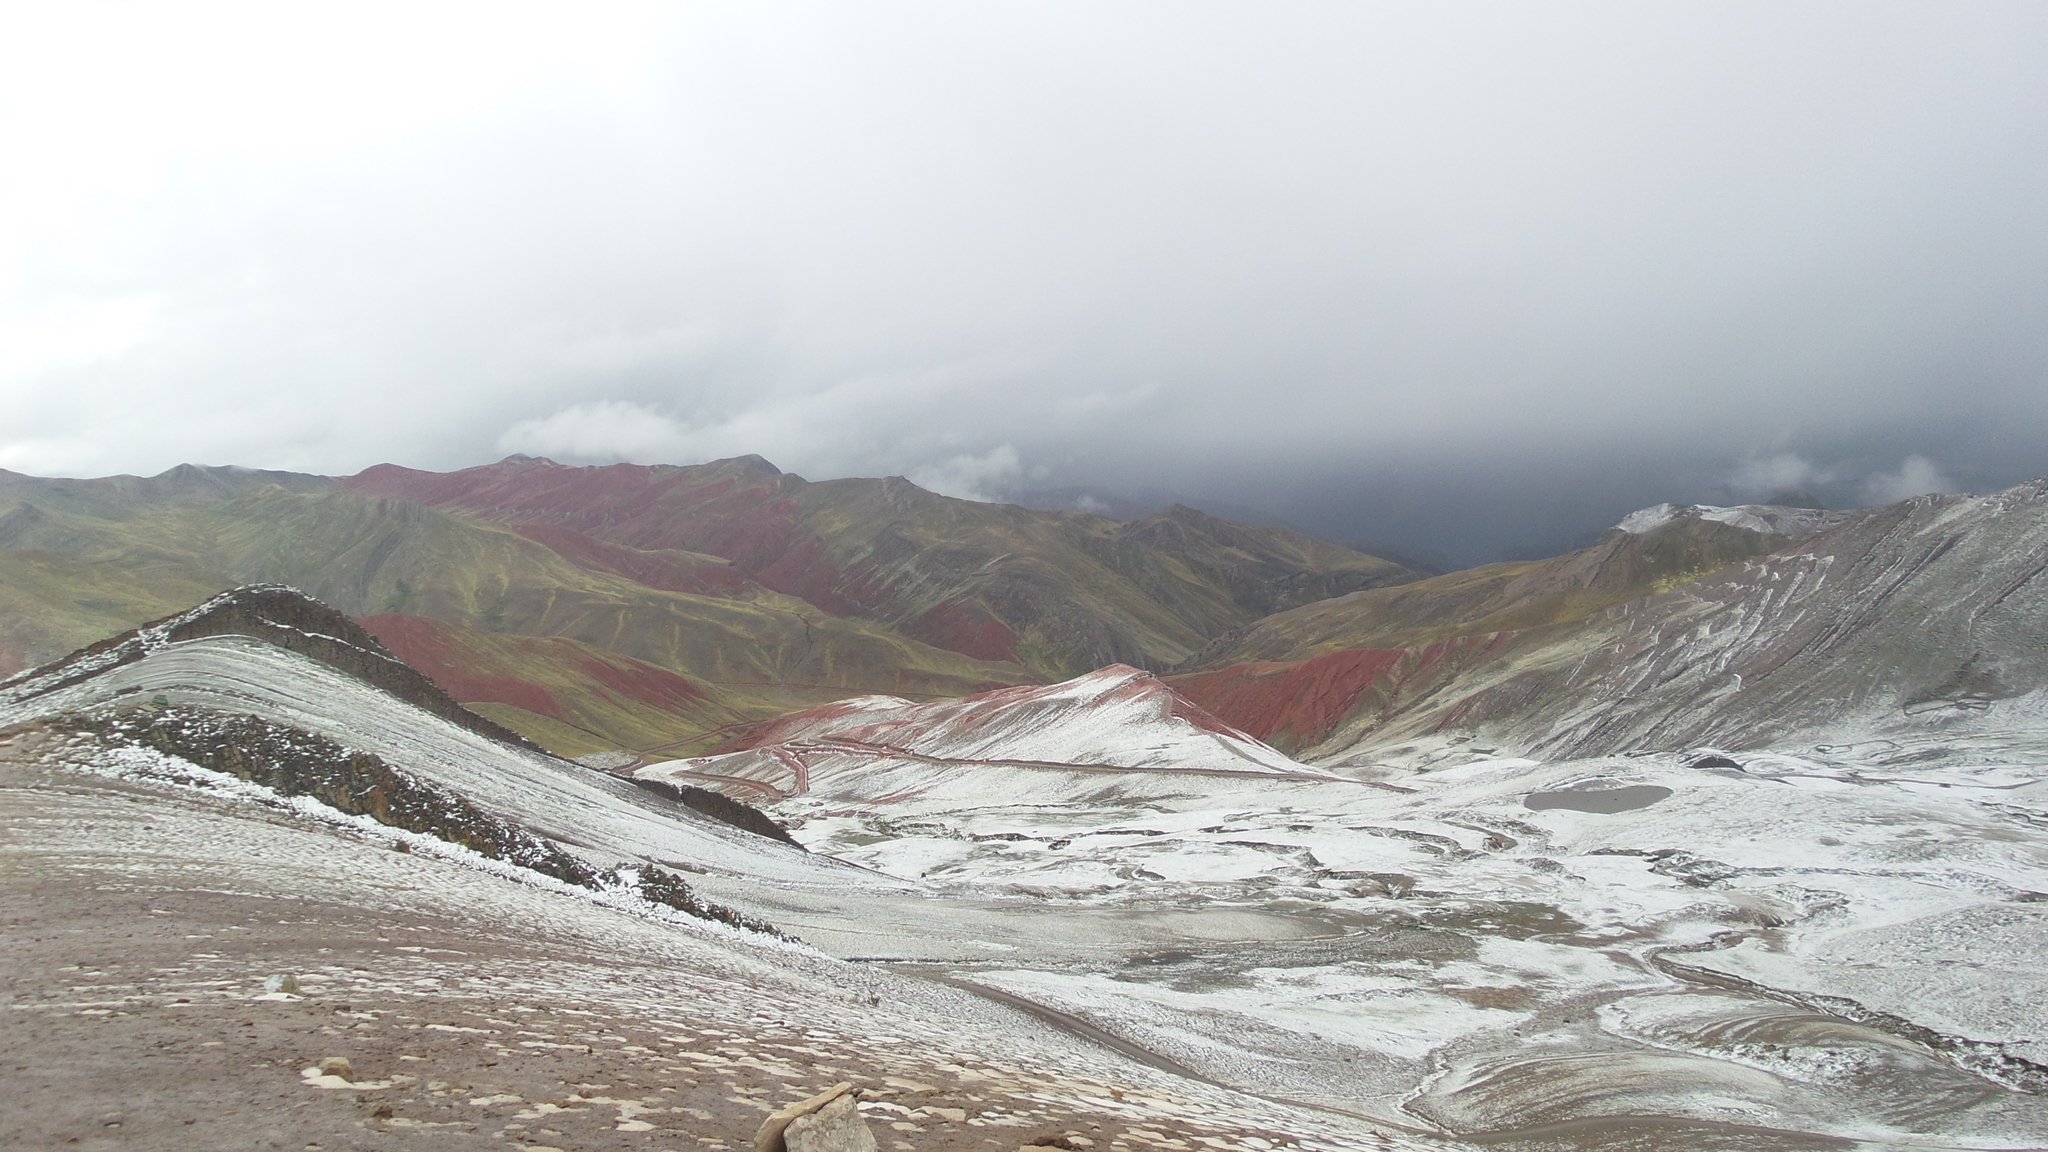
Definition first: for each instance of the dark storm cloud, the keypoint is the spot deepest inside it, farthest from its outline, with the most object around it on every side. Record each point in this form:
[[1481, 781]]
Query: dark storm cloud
[[1457, 277]]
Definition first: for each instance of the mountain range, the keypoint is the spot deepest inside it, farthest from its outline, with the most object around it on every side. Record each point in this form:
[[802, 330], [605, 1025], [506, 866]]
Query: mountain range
[[654, 607], [1724, 832], [669, 611]]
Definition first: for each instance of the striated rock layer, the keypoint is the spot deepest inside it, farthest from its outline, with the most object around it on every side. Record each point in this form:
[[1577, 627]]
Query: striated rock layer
[[1922, 617]]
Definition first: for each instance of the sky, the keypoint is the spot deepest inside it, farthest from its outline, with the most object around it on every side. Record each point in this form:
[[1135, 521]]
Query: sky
[[1466, 280]]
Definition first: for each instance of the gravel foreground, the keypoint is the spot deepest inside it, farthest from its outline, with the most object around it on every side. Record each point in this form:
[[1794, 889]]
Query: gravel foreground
[[141, 924]]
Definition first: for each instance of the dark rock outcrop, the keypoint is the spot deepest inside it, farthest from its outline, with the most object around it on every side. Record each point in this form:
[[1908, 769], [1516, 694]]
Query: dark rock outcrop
[[720, 807]]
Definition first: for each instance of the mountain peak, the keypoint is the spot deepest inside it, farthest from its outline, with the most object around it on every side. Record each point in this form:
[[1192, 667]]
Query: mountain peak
[[1792, 521]]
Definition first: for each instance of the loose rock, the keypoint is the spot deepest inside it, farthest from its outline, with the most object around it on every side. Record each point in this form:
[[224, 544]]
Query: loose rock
[[284, 983], [337, 1066], [770, 1136], [837, 1127]]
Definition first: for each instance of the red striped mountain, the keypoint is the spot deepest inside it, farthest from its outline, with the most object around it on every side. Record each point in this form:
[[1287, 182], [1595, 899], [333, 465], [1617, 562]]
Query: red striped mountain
[[649, 607], [1895, 626], [1059, 592]]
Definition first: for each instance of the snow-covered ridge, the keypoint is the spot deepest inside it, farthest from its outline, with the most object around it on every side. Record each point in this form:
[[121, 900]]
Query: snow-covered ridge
[[1113, 716], [277, 614], [1114, 721], [1774, 519]]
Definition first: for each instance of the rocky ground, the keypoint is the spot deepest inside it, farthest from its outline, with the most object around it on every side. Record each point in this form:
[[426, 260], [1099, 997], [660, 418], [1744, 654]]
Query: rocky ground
[[141, 924]]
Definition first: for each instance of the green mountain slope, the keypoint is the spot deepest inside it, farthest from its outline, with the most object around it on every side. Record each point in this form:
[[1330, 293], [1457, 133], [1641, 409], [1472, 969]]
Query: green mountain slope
[[636, 607], [1059, 592], [96, 565]]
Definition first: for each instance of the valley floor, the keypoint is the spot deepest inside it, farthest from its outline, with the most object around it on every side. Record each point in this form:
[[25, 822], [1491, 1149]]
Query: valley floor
[[141, 923]]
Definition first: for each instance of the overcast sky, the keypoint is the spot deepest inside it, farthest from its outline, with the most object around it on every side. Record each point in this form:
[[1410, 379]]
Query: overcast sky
[[1468, 278]]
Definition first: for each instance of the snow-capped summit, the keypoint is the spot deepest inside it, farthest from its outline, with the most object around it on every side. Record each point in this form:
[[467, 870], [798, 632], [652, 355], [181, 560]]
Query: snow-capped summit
[[1774, 519]]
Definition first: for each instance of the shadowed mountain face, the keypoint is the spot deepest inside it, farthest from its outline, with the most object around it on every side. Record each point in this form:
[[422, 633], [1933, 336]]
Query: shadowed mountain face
[[593, 608]]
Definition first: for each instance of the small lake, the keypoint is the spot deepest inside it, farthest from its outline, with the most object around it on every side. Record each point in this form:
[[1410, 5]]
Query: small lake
[[1601, 800]]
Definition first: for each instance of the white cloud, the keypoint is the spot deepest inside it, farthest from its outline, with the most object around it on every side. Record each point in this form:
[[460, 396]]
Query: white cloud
[[1368, 263], [604, 430], [613, 349], [1767, 475], [44, 457], [72, 334], [982, 477], [1917, 476], [1105, 402]]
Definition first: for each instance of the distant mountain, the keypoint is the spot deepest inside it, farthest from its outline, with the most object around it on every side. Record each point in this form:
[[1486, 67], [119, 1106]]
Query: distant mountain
[[593, 608], [1655, 549], [1058, 593], [1922, 617]]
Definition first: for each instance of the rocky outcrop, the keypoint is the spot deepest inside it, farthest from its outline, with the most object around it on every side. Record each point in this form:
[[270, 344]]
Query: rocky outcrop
[[720, 807]]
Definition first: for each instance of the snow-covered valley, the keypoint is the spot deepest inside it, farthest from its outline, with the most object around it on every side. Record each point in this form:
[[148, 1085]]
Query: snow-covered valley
[[1773, 946]]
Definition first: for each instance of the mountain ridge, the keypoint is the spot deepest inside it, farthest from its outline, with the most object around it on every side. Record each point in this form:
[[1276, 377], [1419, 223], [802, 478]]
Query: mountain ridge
[[761, 591]]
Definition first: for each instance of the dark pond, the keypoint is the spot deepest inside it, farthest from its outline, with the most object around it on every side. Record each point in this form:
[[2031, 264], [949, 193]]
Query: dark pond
[[1601, 800]]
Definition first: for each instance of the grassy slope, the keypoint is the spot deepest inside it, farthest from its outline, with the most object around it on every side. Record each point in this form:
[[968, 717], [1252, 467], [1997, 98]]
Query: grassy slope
[[78, 575], [764, 592], [575, 697], [52, 604], [1062, 593]]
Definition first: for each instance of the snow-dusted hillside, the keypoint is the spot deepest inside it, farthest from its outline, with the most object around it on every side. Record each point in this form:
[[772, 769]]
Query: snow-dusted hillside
[[1773, 519], [608, 820], [1920, 620], [1114, 733], [1683, 946]]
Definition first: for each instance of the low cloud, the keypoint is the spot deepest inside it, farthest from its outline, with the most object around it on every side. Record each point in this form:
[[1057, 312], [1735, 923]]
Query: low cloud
[[986, 477], [1104, 402], [605, 430], [1402, 274], [1764, 476], [1917, 476]]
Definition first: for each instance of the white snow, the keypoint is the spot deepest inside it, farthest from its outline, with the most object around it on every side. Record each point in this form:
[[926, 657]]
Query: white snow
[[1775, 519]]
